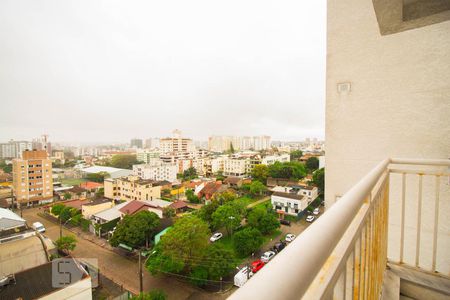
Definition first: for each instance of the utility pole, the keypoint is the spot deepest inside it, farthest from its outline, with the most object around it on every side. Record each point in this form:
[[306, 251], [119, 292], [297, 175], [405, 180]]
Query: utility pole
[[141, 288]]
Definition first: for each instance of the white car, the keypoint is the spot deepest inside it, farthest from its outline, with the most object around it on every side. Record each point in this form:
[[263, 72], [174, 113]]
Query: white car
[[316, 211], [310, 219], [39, 227], [289, 237], [267, 256], [216, 236]]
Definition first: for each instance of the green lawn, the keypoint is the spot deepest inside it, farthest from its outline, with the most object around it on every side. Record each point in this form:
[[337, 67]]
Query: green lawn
[[72, 181]]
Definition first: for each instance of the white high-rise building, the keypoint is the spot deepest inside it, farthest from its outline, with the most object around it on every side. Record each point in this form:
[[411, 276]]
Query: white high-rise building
[[157, 171], [14, 149], [176, 144]]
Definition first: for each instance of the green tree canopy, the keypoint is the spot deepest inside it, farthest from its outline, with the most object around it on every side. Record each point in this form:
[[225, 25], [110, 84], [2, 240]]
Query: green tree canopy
[[66, 213], [247, 241], [288, 170], [263, 220], [190, 173], [67, 196], [57, 208], [207, 210], [97, 177], [66, 243], [319, 179], [296, 154], [312, 163], [221, 261], [134, 230], [100, 193], [224, 197], [182, 247], [7, 168], [124, 161], [260, 173], [228, 216], [256, 188], [191, 196]]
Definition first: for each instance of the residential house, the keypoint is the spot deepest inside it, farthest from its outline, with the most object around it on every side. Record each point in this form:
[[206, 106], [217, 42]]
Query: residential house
[[290, 203], [108, 215], [95, 206], [209, 189], [179, 206], [91, 186], [157, 206]]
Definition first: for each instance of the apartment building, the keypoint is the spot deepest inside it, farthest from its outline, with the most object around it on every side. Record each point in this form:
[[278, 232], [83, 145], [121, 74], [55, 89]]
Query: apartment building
[[32, 178], [14, 149], [147, 156], [42, 143], [223, 143], [176, 144], [136, 143], [271, 159], [131, 188], [157, 171], [235, 167]]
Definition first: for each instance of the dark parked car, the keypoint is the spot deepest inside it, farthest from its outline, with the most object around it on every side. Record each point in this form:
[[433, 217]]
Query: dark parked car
[[285, 222], [279, 246]]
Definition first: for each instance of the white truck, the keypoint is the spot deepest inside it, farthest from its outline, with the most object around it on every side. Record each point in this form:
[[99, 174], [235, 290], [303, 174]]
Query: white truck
[[242, 276]]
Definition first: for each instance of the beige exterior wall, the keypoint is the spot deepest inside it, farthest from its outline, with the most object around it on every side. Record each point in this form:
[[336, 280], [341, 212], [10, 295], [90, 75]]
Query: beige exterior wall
[[131, 188], [89, 210], [398, 105], [32, 177]]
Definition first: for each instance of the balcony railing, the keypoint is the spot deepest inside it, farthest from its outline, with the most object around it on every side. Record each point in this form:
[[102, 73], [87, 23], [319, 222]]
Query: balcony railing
[[343, 255]]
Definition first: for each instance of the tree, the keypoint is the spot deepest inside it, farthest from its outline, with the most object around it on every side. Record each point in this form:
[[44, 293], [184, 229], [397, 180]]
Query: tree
[[124, 161], [221, 261], [199, 275], [66, 243], [260, 173], [169, 212], [319, 179], [100, 193], [263, 220], [191, 196], [97, 177], [247, 241], [182, 247], [296, 154], [288, 170], [190, 173], [65, 214], [57, 208], [224, 197], [219, 176], [312, 163], [67, 196], [7, 168], [256, 188], [231, 148], [228, 216], [207, 210], [152, 295], [134, 230]]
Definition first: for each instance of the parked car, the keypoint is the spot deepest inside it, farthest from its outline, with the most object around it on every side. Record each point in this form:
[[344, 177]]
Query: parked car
[[316, 211], [38, 226], [279, 246], [285, 222], [257, 265], [216, 236], [310, 219], [289, 237], [242, 276], [267, 256]]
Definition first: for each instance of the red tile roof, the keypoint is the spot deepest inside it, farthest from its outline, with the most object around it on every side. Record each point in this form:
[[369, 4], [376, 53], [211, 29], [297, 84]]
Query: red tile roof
[[178, 204], [136, 206]]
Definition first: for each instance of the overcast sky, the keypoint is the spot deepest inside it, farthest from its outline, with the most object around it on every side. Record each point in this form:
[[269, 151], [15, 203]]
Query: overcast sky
[[104, 71]]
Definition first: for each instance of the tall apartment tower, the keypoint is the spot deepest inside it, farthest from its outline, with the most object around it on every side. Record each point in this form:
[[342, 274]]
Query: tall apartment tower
[[32, 178]]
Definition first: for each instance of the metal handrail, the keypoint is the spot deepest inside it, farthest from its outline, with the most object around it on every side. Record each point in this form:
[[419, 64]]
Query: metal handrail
[[309, 252]]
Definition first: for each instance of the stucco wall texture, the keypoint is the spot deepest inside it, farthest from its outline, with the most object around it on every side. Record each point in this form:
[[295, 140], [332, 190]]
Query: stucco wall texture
[[398, 106]]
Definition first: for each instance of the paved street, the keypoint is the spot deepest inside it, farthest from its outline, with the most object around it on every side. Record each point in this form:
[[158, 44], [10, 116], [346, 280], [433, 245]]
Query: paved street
[[121, 270]]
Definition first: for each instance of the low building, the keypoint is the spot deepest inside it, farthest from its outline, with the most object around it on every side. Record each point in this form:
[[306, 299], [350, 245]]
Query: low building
[[209, 189], [289, 203], [131, 188], [157, 171], [76, 192], [234, 182], [91, 186], [157, 206], [95, 206], [108, 215], [113, 172], [179, 206]]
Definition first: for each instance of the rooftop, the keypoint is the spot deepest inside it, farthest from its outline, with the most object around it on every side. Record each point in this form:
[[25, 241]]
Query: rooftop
[[37, 282], [288, 195]]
